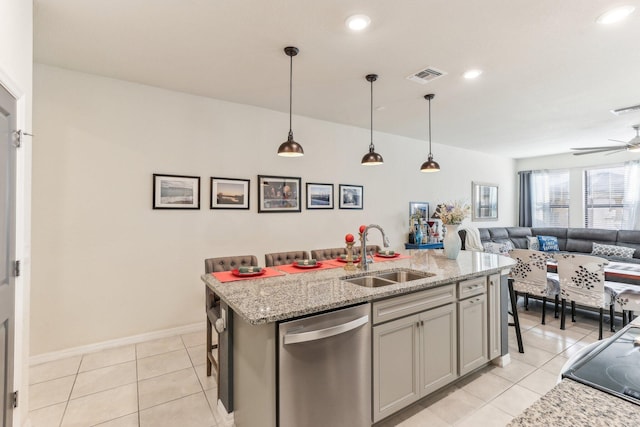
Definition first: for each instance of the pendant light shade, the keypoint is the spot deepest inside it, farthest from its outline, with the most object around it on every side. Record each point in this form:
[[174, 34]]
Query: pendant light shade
[[372, 158], [430, 165], [290, 148]]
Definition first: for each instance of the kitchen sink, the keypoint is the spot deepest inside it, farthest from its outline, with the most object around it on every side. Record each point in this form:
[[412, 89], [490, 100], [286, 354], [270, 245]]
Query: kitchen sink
[[386, 278]]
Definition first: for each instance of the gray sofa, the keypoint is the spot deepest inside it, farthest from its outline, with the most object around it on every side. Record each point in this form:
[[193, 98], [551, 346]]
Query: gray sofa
[[578, 240]]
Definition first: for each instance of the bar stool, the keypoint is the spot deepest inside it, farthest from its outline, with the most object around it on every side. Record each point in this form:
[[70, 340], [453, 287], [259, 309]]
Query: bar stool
[[282, 258], [628, 301]]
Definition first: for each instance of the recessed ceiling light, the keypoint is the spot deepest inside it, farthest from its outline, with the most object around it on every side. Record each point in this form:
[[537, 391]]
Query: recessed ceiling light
[[472, 74], [358, 22], [615, 15]]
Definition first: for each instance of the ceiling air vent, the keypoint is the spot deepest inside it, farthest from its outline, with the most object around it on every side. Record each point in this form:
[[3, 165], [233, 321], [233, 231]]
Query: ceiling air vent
[[426, 75], [619, 111]]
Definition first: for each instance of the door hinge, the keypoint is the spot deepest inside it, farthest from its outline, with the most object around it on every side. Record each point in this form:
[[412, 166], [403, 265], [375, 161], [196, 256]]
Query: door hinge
[[16, 269], [15, 399]]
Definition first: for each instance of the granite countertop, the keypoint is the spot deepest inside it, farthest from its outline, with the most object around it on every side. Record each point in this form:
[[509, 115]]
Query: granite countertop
[[574, 404], [260, 301]]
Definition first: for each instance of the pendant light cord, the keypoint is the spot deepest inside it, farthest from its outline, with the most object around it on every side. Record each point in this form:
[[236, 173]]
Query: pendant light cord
[[290, 91], [429, 126], [371, 111]]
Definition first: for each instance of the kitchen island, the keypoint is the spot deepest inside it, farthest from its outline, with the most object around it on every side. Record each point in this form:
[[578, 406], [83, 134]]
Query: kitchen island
[[258, 306]]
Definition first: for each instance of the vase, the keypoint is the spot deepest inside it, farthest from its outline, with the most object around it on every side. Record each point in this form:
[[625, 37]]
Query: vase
[[452, 242], [418, 236]]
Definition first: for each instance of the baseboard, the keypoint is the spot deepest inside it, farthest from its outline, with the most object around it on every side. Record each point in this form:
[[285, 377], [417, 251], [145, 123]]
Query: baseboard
[[225, 419], [502, 361], [134, 339]]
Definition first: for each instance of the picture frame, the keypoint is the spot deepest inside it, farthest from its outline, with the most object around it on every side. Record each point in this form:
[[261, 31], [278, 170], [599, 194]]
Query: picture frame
[[351, 196], [319, 196], [421, 208], [279, 194], [484, 201], [176, 191], [230, 193]]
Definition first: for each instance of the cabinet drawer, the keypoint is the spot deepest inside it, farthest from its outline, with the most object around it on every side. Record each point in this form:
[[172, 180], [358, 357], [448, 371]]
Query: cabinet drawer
[[471, 287], [412, 303]]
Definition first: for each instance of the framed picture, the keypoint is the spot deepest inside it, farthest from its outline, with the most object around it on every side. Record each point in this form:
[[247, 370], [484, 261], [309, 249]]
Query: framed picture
[[176, 192], [419, 210], [229, 193], [278, 194], [351, 196], [485, 201], [319, 196]]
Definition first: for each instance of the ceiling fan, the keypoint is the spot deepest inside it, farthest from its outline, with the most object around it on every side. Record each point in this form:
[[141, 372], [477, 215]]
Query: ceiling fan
[[633, 145]]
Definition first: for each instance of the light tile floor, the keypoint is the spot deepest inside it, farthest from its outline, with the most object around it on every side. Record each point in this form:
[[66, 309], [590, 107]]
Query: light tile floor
[[163, 383], [156, 383]]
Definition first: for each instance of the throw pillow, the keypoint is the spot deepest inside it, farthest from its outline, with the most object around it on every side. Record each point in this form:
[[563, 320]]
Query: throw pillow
[[532, 243], [497, 248], [548, 243], [612, 250]]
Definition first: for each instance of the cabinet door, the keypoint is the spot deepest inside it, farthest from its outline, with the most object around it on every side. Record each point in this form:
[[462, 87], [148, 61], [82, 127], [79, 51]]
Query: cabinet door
[[472, 338], [493, 307], [395, 366], [438, 342]]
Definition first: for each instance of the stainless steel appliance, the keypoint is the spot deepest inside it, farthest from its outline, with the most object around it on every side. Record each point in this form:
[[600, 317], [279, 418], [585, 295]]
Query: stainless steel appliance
[[324, 376], [613, 366]]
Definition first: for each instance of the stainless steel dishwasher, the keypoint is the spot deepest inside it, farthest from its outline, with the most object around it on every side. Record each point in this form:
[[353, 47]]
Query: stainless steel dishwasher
[[324, 375]]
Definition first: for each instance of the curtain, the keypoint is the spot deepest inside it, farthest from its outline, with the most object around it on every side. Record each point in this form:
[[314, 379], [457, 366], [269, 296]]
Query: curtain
[[631, 220], [525, 211]]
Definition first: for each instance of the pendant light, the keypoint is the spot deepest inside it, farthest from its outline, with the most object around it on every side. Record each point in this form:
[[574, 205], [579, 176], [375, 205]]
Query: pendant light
[[290, 148], [372, 158], [430, 165]]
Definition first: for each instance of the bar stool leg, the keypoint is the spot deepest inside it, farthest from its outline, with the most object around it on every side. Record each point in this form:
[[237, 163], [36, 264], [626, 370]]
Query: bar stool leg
[[573, 311], [562, 314], [544, 305], [516, 320], [624, 318], [526, 302], [555, 308]]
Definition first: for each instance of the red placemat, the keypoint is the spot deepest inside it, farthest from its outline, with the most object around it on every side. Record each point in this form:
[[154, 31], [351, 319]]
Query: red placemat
[[227, 276], [377, 258], [292, 269]]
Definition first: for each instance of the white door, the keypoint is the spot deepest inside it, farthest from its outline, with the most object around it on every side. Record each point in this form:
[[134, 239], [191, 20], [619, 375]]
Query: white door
[[7, 252]]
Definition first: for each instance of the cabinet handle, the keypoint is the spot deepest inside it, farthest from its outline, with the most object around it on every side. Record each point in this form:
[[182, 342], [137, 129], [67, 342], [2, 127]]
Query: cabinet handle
[[422, 323]]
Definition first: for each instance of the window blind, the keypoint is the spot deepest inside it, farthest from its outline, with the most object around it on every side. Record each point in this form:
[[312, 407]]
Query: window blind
[[611, 197], [550, 197]]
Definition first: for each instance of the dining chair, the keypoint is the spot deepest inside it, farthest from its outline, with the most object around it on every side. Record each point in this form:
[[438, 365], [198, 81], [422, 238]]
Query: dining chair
[[212, 304], [281, 258], [582, 282], [329, 253], [530, 277], [628, 302]]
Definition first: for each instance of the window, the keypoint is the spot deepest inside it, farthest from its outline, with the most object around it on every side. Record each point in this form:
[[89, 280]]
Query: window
[[550, 197], [611, 197]]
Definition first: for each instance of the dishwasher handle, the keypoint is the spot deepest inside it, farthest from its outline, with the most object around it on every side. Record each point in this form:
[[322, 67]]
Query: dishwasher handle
[[325, 333]]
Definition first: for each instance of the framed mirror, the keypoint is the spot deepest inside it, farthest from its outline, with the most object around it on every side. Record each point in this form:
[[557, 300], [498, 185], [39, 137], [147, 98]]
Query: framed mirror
[[485, 201]]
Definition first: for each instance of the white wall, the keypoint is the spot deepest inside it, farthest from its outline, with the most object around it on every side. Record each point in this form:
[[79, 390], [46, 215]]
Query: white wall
[[576, 166], [16, 67], [107, 266]]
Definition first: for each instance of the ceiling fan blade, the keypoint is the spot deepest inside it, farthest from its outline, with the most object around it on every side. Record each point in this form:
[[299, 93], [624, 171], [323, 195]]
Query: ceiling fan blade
[[600, 150], [615, 151], [617, 140], [608, 147]]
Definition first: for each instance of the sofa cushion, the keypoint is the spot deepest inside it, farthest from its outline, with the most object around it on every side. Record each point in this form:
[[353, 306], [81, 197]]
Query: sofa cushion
[[582, 239], [498, 248], [559, 232], [630, 239], [533, 243], [548, 243], [612, 250]]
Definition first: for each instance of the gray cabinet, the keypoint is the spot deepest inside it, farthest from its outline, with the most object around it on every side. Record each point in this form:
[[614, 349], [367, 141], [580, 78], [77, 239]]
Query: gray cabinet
[[472, 326], [416, 354], [494, 316], [439, 348], [396, 358]]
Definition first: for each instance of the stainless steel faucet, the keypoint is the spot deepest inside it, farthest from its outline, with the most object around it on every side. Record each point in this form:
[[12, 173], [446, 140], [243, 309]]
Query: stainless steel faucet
[[364, 263]]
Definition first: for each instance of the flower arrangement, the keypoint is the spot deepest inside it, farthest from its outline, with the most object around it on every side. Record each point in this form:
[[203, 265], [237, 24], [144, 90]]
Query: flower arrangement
[[453, 212]]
